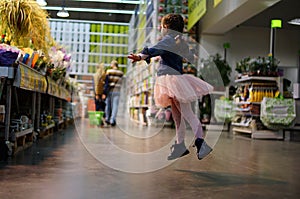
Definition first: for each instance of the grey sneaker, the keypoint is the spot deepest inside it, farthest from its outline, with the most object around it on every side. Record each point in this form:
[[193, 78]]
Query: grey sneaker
[[202, 148], [177, 151]]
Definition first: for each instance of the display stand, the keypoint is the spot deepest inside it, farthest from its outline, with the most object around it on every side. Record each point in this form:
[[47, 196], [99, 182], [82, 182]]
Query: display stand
[[35, 83], [250, 110], [20, 131], [45, 103], [60, 97], [214, 124], [8, 73], [224, 111], [292, 133], [27, 94], [47, 131]]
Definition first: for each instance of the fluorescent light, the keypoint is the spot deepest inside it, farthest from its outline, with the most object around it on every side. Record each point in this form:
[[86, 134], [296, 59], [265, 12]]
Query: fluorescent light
[[295, 21], [63, 13], [112, 1], [91, 10], [41, 2]]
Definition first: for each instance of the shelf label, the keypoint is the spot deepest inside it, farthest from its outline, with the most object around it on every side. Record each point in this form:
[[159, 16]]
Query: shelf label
[[53, 88], [29, 79], [56, 90]]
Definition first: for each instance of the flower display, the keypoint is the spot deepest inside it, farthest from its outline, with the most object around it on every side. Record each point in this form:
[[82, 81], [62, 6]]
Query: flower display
[[25, 23], [8, 55], [60, 62], [60, 58]]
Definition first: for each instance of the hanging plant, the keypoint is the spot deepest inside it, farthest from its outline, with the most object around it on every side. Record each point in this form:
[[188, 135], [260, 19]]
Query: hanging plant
[[26, 24]]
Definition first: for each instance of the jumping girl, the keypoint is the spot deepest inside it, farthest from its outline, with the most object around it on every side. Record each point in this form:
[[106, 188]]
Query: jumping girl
[[175, 89]]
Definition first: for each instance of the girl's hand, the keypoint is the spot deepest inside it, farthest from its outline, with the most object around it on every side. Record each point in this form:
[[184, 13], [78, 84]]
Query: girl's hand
[[134, 57]]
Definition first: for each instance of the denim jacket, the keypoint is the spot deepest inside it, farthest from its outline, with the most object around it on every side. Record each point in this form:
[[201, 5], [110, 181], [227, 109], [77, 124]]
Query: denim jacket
[[171, 55]]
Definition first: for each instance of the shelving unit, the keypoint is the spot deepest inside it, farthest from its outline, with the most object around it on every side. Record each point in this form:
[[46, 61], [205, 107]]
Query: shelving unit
[[26, 94], [140, 91], [16, 131], [140, 76], [249, 108], [91, 42], [223, 110]]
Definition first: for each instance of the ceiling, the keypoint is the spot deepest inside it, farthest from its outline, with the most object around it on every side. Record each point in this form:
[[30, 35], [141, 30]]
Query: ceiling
[[109, 5], [285, 10]]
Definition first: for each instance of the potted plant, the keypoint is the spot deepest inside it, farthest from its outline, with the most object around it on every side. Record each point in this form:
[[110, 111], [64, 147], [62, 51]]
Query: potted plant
[[272, 66], [265, 66], [209, 65], [243, 66]]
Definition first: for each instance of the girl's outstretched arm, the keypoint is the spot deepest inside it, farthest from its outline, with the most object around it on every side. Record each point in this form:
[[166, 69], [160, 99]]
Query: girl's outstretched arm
[[137, 57]]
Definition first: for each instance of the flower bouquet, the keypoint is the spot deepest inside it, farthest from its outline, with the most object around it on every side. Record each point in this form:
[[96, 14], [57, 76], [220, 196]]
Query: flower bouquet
[[8, 55], [60, 63]]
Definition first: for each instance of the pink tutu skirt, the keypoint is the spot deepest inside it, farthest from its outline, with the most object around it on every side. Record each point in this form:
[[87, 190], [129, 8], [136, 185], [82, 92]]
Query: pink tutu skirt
[[185, 88]]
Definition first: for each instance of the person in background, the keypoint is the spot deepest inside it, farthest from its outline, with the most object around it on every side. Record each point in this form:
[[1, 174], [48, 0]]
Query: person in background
[[175, 89], [113, 86], [99, 82]]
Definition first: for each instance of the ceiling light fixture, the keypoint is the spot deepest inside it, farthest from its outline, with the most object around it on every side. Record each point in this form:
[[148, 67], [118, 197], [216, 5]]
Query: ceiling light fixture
[[295, 21], [41, 2], [63, 12], [113, 1]]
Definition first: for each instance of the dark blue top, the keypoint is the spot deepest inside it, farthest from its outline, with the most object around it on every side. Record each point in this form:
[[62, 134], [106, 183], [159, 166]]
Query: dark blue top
[[171, 55]]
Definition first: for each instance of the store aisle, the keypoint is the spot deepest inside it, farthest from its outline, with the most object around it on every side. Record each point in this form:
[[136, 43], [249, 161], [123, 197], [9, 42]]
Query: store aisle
[[67, 165]]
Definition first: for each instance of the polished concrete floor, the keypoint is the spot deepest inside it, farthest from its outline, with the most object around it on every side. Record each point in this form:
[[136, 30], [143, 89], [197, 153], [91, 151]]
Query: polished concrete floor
[[129, 162]]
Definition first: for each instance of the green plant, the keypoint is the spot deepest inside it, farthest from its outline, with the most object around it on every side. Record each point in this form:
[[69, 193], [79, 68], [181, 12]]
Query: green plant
[[261, 66], [266, 66], [210, 65], [272, 64], [243, 66]]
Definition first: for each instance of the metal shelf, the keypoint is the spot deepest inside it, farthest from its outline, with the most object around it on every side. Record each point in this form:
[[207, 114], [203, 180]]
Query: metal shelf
[[24, 132], [218, 93], [7, 71], [48, 127], [139, 106], [259, 78]]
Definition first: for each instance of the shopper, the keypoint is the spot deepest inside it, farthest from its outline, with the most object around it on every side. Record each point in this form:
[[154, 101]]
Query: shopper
[[175, 89], [99, 82], [113, 87]]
